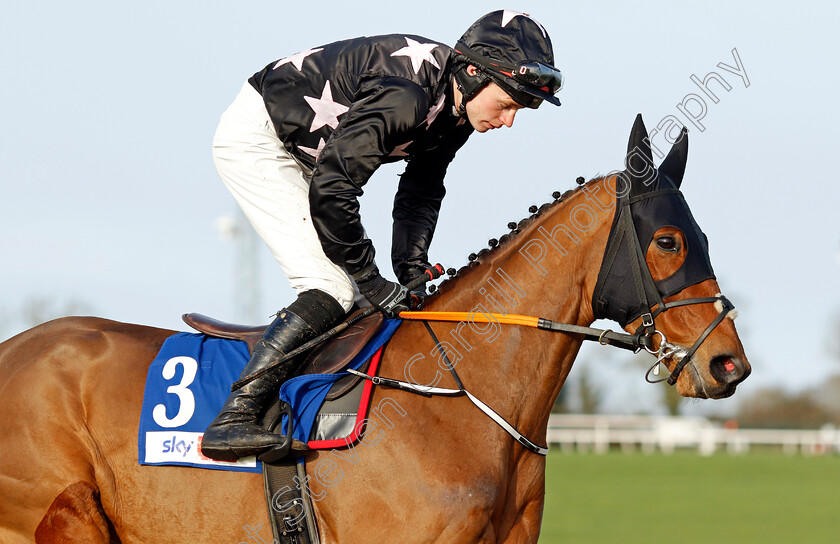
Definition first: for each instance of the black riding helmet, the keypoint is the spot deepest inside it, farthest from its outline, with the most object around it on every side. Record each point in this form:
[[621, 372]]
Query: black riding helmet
[[512, 50]]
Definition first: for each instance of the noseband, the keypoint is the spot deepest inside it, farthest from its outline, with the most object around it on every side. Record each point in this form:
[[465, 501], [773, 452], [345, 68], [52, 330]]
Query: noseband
[[678, 354]]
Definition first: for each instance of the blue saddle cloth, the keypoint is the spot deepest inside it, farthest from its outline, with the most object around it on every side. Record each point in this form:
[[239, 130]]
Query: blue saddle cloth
[[189, 381], [305, 394]]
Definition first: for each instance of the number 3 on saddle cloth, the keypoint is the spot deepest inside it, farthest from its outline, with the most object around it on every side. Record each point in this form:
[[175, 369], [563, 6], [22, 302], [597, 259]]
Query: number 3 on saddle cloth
[[190, 378]]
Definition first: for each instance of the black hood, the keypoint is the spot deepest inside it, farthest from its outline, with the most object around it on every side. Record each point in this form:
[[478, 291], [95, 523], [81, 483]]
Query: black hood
[[652, 202]]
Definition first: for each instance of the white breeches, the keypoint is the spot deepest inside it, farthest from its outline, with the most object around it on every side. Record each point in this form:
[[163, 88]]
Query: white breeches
[[273, 192]]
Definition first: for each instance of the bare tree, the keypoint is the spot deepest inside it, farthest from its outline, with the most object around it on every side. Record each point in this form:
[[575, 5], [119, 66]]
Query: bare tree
[[584, 395], [590, 393], [776, 408]]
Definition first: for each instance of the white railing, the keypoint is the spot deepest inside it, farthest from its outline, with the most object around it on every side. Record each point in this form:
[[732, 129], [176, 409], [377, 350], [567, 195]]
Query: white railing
[[599, 433]]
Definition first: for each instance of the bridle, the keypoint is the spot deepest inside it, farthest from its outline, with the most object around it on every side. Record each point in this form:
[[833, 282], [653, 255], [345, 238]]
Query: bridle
[[649, 303], [648, 295]]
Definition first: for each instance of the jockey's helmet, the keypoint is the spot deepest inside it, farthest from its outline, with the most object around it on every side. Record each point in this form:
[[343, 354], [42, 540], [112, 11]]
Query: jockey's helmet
[[512, 50]]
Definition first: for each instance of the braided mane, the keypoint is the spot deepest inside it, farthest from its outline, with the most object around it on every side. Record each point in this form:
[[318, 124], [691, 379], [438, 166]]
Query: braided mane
[[476, 259]]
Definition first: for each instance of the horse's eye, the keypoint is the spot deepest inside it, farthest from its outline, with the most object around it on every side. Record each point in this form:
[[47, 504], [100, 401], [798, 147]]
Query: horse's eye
[[667, 243]]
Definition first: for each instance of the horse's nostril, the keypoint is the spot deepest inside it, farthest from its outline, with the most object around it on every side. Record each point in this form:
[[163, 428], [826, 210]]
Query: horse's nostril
[[726, 369]]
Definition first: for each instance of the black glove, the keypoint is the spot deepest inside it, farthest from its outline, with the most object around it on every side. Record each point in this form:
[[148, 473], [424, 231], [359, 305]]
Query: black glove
[[418, 294], [385, 295]]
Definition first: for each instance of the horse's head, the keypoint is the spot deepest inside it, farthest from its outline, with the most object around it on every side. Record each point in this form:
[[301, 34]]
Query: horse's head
[[656, 278]]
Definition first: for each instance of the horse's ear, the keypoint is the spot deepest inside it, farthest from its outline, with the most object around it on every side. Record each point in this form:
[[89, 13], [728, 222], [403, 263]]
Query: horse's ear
[[674, 164], [639, 161]]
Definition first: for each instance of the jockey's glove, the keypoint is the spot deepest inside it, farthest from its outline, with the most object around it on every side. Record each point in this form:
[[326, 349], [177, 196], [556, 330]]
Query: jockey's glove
[[418, 294], [388, 296]]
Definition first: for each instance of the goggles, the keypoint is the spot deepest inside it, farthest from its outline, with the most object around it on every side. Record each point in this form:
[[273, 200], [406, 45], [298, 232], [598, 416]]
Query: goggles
[[536, 74]]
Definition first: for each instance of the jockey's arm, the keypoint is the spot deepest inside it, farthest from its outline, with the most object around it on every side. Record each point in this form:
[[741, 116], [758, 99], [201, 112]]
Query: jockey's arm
[[382, 117], [417, 204]]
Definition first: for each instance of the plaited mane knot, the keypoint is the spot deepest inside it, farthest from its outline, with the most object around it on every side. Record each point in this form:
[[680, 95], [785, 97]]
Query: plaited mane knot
[[475, 259]]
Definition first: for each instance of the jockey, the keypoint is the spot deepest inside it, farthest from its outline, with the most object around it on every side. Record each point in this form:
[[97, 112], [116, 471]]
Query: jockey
[[306, 133]]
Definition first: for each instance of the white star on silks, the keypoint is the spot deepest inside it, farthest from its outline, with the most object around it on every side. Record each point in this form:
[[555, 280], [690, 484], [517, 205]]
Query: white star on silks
[[314, 152], [327, 110], [509, 15], [418, 52], [297, 59], [433, 113], [399, 151]]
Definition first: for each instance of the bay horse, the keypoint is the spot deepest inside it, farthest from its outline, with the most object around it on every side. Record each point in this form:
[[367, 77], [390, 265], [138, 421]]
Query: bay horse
[[426, 469]]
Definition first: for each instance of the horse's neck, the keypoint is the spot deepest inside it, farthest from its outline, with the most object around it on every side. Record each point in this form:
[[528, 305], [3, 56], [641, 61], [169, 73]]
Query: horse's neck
[[537, 274]]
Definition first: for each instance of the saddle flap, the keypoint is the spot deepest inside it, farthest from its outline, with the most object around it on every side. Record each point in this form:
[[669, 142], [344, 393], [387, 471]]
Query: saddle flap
[[334, 354]]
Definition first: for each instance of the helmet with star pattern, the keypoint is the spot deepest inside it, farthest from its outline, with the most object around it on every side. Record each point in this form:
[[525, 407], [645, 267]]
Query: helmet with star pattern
[[512, 50]]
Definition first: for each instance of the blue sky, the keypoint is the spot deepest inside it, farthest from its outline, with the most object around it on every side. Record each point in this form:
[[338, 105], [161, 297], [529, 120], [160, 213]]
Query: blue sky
[[109, 195]]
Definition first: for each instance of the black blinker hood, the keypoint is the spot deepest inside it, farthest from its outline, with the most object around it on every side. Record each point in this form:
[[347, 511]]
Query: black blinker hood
[[625, 289]]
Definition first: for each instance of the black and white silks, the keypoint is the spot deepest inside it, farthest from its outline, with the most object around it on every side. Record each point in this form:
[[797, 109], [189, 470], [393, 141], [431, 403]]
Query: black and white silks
[[344, 109]]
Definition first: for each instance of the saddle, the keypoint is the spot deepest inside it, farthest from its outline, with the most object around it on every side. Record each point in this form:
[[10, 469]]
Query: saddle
[[327, 358]]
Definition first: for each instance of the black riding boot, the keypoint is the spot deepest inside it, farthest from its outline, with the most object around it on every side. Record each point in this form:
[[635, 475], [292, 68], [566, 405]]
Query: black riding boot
[[236, 432]]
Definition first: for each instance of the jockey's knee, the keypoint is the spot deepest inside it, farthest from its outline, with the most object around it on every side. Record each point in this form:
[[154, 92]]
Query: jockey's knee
[[318, 309], [341, 291]]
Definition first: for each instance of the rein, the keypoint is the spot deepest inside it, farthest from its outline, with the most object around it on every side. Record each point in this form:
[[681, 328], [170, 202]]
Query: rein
[[642, 338], [605, 337]]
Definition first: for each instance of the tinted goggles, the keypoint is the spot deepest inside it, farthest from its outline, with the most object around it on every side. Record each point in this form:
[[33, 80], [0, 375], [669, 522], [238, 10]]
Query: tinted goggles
[[546, 78]]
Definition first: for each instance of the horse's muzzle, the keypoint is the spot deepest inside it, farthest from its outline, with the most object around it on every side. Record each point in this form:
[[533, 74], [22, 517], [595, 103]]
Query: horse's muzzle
[[726, 372], [728, 369]]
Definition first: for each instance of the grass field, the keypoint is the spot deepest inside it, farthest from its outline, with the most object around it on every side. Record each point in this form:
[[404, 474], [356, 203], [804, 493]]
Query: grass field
[[686, 498]]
